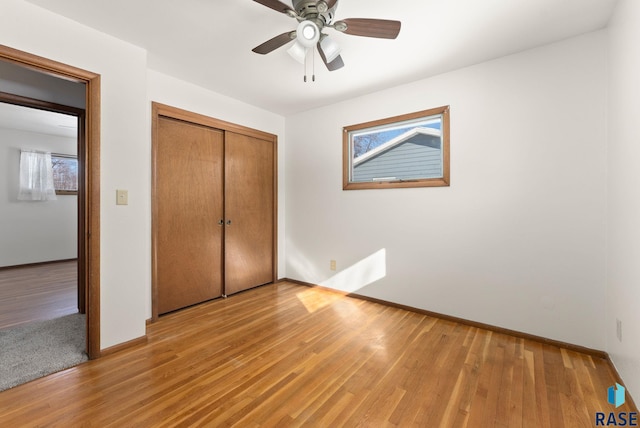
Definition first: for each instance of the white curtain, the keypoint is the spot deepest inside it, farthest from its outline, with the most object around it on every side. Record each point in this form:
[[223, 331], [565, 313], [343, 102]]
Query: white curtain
[[36, 176]]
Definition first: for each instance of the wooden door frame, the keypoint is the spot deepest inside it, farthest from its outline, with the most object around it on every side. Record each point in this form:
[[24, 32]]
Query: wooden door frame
[[162, 110], [89, 218]]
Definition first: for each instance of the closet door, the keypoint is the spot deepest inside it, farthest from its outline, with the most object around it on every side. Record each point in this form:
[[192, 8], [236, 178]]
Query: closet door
[[188, 204], [249, 212]]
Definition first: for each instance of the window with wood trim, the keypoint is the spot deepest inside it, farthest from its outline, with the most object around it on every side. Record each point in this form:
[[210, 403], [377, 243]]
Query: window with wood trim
[[411, 150]]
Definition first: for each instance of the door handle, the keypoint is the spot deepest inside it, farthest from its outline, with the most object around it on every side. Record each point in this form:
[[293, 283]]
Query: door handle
[[221, 222], [228, 222]]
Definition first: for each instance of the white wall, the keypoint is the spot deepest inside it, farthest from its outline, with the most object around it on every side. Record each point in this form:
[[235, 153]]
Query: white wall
[[125, 153], [623, 292], [34, 231], [177, 93], [517, 240]]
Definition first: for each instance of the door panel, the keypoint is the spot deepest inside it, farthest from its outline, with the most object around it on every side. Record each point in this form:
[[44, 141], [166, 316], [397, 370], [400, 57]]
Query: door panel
[[189, 204], [249, 205]]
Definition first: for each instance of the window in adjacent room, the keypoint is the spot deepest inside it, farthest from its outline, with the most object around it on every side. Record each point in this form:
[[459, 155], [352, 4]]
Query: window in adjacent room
[[411, 150], [65, 174]]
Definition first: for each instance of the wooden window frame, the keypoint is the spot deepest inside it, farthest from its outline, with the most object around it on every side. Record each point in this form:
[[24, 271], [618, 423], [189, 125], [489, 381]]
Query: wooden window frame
[[443, 181]]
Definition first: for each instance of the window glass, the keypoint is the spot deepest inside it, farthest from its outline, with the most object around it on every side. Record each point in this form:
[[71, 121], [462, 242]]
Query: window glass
[[65, 174], [405, 151]]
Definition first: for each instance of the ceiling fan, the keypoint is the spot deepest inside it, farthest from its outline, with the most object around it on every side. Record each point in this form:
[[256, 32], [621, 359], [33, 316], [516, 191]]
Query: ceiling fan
[[315, 15]]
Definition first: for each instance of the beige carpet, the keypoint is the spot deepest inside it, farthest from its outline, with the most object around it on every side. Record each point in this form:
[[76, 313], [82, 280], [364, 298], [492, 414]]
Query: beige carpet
[[34, 350]]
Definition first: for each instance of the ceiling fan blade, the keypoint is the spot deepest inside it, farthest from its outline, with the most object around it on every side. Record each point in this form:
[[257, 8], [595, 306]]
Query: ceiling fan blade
[[380, 28], [275, 43], [275, 5], [333, 65]]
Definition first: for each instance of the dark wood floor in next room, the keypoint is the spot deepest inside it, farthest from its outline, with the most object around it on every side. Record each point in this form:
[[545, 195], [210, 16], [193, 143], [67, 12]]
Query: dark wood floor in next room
[[38, 292]]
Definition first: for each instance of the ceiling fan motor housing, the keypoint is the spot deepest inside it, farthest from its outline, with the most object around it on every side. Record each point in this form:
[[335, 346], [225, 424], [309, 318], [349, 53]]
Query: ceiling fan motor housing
[[309, 10]]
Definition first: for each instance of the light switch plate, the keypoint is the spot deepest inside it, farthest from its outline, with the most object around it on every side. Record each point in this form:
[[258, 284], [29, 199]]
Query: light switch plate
[[122, 197]]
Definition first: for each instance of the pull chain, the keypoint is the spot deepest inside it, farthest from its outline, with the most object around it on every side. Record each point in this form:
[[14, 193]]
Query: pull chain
[[313, 65], [306, 54]]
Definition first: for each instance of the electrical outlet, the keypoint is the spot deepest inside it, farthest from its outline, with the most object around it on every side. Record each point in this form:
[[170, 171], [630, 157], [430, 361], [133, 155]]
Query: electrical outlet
[[332, 264], [619, 329]]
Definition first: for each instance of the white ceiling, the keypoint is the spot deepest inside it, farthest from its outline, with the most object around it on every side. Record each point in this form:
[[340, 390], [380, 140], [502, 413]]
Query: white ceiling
[[209, 42], [39, 121]]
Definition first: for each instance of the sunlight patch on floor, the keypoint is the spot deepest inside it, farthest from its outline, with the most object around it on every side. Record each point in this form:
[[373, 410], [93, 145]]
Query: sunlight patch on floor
[[314, 299]]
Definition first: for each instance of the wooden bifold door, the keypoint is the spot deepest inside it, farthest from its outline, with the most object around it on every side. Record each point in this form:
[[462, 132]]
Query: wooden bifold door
[[214, 207]]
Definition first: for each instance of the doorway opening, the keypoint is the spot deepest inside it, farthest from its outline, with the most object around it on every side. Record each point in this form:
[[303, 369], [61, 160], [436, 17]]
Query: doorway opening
[[39, 266], [88, 155]]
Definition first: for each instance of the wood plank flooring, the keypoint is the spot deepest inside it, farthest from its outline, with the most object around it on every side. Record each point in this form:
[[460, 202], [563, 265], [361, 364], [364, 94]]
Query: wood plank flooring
[[38, 292], [287, 355]]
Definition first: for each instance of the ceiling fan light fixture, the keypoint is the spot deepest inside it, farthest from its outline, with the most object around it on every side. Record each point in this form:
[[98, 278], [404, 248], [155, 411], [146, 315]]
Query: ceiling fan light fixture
[[297, 52], [330, 48], [307, 34]]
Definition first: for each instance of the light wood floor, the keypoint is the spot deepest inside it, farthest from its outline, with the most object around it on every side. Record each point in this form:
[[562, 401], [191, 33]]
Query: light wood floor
[[287, 355], [38, 292]]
